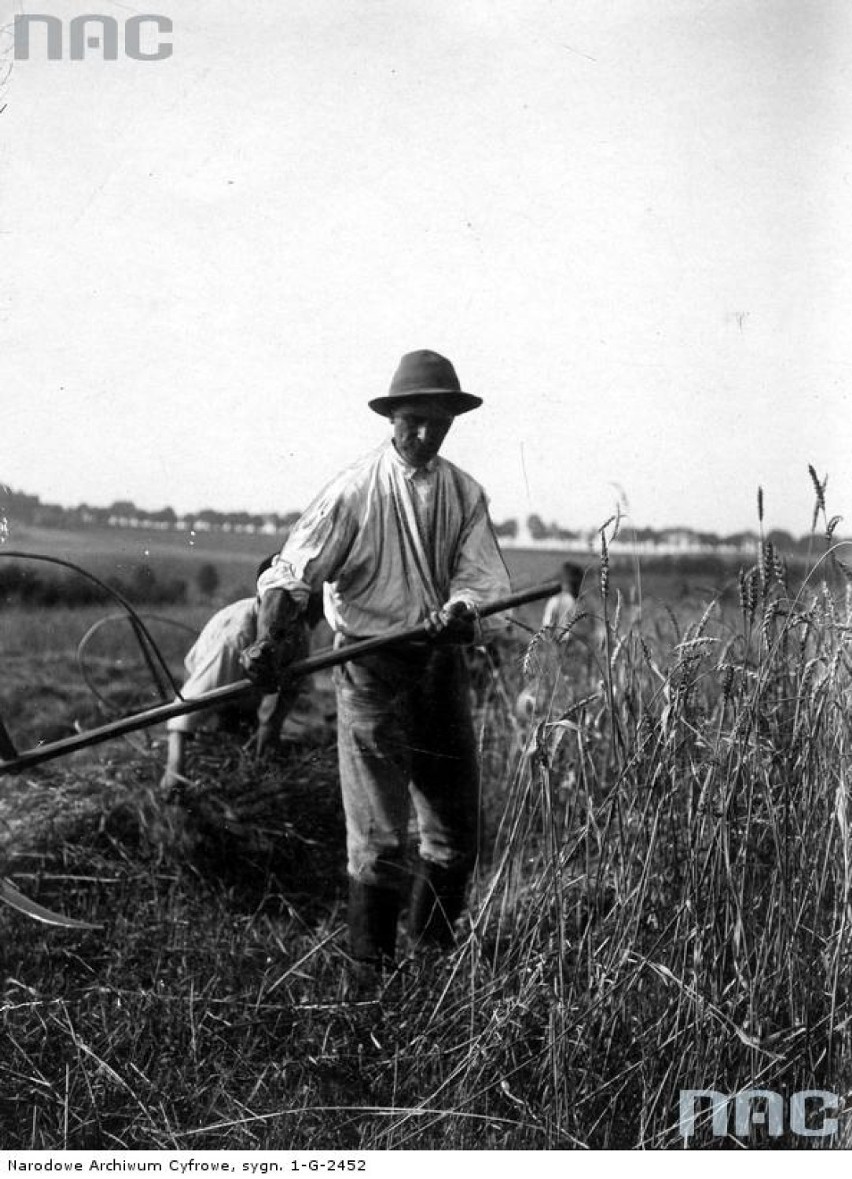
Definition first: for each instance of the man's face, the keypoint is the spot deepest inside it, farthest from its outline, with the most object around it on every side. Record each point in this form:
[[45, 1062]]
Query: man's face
[[418, 431]]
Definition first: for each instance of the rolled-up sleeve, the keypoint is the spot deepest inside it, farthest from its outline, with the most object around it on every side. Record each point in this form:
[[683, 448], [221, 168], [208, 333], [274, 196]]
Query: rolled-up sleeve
[[314, 550]]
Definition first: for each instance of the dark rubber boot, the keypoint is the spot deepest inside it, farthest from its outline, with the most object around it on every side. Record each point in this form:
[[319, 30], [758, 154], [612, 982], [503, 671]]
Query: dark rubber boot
[[373, 913], [437, 899]]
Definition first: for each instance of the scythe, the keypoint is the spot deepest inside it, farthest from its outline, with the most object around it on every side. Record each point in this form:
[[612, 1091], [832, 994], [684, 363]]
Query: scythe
[[13, 762]]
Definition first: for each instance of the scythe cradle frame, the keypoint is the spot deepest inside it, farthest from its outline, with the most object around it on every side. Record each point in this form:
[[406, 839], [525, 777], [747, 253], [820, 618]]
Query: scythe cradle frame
[[13, 762]]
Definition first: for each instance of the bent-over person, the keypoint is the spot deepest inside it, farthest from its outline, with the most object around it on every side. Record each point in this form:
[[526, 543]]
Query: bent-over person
[[213, 661]]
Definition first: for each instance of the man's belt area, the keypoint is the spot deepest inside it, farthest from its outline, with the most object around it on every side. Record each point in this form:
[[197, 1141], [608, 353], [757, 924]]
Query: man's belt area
[[413, 652]]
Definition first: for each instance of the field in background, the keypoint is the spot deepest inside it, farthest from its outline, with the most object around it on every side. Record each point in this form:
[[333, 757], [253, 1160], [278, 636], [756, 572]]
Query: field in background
[[662, 903], [175, 554], [119, 551]]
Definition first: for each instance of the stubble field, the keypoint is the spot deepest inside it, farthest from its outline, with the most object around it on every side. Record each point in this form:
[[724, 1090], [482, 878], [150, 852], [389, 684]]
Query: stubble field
[[662, 901]]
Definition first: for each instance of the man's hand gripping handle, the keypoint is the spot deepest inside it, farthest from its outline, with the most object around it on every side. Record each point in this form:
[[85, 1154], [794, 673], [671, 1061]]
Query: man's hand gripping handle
[[281, 639]]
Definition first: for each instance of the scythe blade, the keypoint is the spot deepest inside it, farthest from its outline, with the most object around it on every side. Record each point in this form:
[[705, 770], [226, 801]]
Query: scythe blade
[[10, 896]]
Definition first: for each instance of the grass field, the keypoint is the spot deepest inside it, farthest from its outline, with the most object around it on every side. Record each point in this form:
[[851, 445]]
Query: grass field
[[105, 551], [663, 902]]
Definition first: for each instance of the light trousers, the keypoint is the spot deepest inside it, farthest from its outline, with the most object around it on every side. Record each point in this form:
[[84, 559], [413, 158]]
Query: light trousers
[[405, 736]]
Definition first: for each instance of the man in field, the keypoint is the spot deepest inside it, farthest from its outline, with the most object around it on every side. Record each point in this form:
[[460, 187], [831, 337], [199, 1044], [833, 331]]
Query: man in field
[[399, 538]]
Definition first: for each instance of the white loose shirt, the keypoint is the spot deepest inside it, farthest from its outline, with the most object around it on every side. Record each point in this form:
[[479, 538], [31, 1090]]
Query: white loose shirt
[[214, 659], [391, 543]]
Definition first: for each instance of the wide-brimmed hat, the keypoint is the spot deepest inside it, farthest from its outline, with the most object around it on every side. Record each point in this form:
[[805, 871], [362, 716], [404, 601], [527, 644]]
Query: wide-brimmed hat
[[424, 375]]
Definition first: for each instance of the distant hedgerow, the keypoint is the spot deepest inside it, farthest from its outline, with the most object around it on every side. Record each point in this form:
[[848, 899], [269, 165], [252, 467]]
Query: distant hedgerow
[[20, 586]]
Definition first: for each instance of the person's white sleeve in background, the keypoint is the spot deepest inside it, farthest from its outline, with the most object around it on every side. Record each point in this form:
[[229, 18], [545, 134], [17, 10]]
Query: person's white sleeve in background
[[550, 611]]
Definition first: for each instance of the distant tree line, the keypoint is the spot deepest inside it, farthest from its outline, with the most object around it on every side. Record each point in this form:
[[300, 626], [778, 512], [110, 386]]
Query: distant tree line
[[539, 530], [29, 509]]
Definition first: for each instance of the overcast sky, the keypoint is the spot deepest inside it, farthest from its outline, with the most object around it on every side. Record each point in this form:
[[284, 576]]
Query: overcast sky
[[629, 225]]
